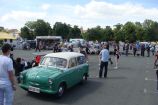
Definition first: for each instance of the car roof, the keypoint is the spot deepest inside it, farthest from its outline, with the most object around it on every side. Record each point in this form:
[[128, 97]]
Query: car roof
[[64, 55]]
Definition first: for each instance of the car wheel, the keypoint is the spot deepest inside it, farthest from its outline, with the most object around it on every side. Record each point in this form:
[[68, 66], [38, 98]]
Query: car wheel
[[61, 91]]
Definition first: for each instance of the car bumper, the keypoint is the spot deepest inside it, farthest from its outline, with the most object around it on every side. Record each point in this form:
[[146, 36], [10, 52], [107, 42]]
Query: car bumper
[[26, 87]]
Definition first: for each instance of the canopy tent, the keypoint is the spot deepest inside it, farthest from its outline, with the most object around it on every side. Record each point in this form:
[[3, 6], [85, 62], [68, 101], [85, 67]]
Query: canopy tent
[[4, 35]]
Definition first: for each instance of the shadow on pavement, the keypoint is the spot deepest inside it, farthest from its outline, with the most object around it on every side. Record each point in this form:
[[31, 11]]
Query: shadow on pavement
[[110, 78], [72, 95]]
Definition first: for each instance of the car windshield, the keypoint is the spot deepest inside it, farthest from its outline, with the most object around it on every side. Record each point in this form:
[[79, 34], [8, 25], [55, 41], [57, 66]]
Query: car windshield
[[54, 61]]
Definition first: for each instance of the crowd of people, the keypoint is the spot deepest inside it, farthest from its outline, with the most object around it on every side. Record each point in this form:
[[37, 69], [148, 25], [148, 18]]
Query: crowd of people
[[8, 64]]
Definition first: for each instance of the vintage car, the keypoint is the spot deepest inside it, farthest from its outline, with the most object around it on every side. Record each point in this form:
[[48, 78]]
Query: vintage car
[[55, 73]]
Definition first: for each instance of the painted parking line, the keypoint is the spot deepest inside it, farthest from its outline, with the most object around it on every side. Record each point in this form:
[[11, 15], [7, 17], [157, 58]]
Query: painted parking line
[[155, 69], [150, 92], [151, 70], [146, 71], [148, 79]]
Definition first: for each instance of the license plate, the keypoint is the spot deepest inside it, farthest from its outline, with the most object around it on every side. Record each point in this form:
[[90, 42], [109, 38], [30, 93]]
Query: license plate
[[34, 89]]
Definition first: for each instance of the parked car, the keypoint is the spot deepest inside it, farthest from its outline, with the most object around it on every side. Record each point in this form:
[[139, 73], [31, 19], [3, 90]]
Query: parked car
[[32, 43], [55, 73], [29, 44], [94, 49]]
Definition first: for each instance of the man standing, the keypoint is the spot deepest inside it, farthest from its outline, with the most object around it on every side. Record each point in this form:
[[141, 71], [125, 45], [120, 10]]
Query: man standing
[[148, 50], [82, 51], [7, 79], [134, 49], [103, 60], [127, 48], [142, 50], [108, 48]]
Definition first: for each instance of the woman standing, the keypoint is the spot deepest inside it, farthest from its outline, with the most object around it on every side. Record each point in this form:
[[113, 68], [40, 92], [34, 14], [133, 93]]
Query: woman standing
[[117, 56]]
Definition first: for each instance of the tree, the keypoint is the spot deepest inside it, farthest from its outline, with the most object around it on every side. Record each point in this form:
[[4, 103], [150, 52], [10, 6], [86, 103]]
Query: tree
[[36, 28], [107, 34], [129, 32], [151, 30], [75, 32], [42, 28], [146, 31], [140, 32], [25, 33], [61, 29], [94, 34], [118, 33]]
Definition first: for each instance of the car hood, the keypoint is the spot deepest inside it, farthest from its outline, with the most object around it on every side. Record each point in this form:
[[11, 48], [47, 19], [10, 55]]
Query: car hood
[[42, 74]]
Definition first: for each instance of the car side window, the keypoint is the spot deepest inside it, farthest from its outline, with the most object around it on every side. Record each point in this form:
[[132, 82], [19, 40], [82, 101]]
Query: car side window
[[72, 63], [81, 60]]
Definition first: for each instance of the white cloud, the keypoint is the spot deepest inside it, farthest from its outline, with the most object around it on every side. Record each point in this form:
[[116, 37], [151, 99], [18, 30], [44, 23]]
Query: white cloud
[[45, 6], [16, 19], [106, 12], [22, 15], [89, 15]]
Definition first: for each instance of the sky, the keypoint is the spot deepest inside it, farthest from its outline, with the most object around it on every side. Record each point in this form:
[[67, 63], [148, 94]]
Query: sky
[[84, 13]]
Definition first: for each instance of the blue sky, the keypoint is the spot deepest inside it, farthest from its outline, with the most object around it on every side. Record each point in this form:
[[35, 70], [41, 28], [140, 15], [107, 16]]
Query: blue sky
[[84, 13]]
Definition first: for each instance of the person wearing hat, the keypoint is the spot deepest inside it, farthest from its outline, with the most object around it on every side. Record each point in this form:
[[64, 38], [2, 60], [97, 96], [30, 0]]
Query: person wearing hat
[[103, 60]]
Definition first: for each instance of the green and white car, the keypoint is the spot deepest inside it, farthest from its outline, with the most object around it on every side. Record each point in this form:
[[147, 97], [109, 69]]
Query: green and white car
[[55, 73]]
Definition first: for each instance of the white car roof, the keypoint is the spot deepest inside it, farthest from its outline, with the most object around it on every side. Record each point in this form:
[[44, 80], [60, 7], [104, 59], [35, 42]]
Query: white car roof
[[64, 55]]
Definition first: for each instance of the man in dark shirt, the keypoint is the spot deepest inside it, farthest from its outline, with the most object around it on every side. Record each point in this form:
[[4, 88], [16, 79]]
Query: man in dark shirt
[[18, 68]]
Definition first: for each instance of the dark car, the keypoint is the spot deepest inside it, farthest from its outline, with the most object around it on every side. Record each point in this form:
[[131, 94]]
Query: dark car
[[32, 43]]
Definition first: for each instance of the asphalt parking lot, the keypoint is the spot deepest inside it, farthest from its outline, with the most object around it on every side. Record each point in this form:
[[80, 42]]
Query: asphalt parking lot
[[134, 83]]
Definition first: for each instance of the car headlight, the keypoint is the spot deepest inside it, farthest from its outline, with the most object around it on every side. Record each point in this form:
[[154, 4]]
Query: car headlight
[[50, 81], [21, 78]]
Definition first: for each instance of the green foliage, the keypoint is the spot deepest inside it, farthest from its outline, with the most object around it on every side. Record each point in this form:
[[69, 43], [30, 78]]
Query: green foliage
[[75, 32], [107, 34], [94, 33], [61, 29], [36, 28], [129, 31], [42, 28], [146, 31], [26, 33], [118, 33]]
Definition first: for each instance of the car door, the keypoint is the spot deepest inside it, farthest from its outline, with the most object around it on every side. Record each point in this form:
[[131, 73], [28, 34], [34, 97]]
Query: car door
[[81, 66], [72, 76]]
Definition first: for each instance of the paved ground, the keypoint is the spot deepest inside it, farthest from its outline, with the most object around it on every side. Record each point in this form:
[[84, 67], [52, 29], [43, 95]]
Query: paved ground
[[132, 84]]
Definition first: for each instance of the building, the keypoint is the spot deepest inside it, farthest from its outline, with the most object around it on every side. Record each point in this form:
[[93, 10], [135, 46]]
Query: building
[[14, 32], [1, 28], [82, 30]]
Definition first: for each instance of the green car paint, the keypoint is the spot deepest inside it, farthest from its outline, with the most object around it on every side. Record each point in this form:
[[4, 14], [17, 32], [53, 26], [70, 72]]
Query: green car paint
[[40, 76]]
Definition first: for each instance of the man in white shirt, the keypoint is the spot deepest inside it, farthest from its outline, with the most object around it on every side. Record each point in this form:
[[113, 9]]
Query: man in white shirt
[[7, 79], [103, 60]]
